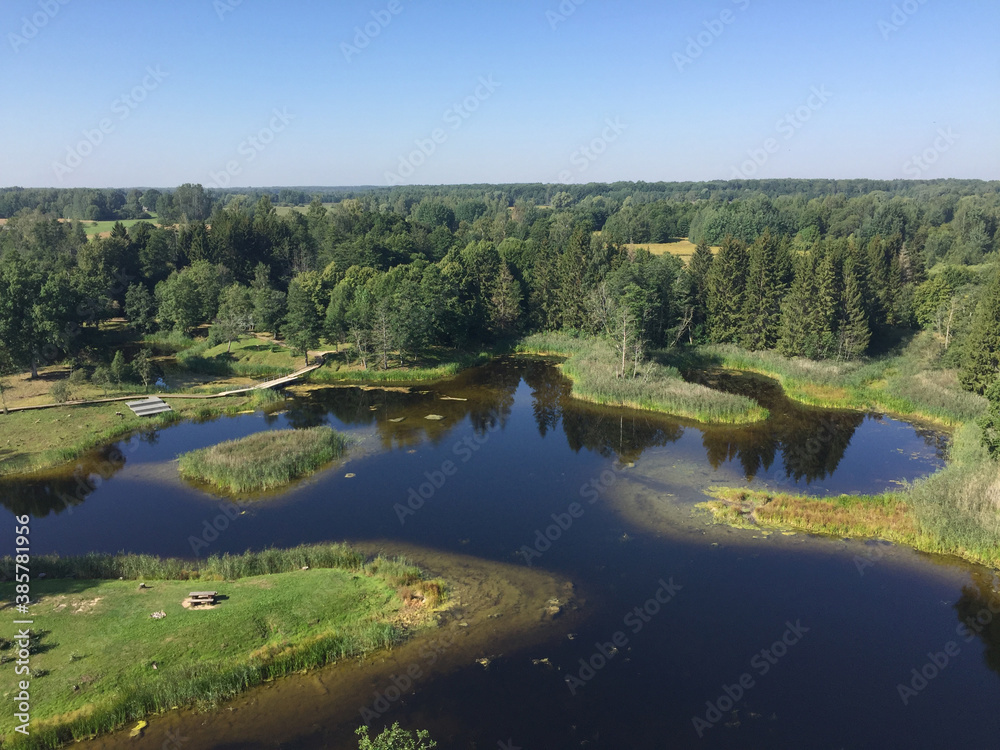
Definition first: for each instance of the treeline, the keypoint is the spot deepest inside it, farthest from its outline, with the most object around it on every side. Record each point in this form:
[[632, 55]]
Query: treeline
[[396, 271]]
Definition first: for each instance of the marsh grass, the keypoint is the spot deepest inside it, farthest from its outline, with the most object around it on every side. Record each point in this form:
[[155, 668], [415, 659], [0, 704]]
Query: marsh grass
[[277, 619], [264, 460], [591, 365], [908, 384], [955, 511], [886, 516], [333, 372]]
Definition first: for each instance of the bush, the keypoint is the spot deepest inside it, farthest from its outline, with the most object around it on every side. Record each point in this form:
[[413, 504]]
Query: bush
[[78, 377], [60, 392], [395, 738], [101, 378]]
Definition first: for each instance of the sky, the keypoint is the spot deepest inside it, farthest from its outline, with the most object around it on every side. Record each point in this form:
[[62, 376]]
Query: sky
[[251, 93]]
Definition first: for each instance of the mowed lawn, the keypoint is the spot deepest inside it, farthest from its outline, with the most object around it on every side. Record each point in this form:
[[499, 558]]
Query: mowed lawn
[[99, 642]]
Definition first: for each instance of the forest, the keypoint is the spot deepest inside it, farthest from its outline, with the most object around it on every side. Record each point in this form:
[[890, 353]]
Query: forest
[[812, 268]]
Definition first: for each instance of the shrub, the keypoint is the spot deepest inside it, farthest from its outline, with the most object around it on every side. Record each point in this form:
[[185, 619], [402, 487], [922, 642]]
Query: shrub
[[60, 392], [395, 738]]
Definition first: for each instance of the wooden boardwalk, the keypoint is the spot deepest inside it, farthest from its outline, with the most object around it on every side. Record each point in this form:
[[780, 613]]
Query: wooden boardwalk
[[275, 383]]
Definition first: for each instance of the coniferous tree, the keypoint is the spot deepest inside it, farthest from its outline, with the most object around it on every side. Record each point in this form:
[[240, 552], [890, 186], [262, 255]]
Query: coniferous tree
[[726, 284], [571, 294], [698, 269], [981, 362], [854, 330], [794, 338], [761, 313]]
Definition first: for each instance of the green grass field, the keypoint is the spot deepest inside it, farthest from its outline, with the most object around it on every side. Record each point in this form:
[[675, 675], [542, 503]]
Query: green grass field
[[264, 460], [100, 661], [103, 228]]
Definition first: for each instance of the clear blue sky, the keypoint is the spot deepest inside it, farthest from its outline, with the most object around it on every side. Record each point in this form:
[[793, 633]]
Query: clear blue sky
[[230, 65]]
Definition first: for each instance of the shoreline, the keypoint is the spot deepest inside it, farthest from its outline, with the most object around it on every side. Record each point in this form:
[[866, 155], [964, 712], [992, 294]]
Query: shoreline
[[504, 608], [364, 605]]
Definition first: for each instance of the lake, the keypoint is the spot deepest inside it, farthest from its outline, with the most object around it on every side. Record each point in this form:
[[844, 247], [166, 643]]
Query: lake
[[674, 632]]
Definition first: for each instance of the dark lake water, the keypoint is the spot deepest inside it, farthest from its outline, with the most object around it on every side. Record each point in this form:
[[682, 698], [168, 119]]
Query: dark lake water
[[523, 451]]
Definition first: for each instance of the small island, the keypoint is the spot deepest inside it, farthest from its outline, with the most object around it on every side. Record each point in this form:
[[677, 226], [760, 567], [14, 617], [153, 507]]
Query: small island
[[264, 460], [121, 642]]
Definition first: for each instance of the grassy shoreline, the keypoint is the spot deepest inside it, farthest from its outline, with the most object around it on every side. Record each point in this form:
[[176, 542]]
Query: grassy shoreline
[[36, 441], [330, 373], [264, 460], [93, 666], [904, 385], [589, 365], [955, 511]]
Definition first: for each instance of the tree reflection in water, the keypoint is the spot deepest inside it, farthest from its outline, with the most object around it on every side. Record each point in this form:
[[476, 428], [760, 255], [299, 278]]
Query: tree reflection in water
[[810, 442]]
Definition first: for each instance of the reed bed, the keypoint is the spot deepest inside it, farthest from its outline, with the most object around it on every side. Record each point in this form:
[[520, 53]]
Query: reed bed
[[591, 365], [264, 460]]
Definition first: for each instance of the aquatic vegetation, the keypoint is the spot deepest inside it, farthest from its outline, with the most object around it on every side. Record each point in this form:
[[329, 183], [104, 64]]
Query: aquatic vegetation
[[906, 384], [591, 367], [264, 460]]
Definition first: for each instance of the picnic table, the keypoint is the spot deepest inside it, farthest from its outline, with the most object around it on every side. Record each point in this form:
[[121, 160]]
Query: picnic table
[[203, 597]]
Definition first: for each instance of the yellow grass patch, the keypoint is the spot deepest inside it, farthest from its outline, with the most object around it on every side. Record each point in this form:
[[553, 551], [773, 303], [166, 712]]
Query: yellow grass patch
[[683, 248]]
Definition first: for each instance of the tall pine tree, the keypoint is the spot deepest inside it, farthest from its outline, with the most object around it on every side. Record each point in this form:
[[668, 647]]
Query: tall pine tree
[[761, 313], [854, 332], [727, 280], [981, 362], [701, 264]]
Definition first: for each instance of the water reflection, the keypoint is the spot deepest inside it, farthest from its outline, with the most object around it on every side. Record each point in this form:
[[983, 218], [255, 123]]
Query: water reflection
[[978, 610], [39, 495], [809, 443]]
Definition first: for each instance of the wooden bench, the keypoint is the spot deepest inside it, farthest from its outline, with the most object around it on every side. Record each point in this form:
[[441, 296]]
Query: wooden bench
[[203, 597]]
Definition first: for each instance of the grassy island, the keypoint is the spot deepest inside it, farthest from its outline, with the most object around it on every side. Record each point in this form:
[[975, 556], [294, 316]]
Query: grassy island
[[112, 652], [591, 367], [264, 460]]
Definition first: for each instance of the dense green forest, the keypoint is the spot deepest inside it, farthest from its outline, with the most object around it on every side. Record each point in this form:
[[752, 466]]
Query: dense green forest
[[813, 268]]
